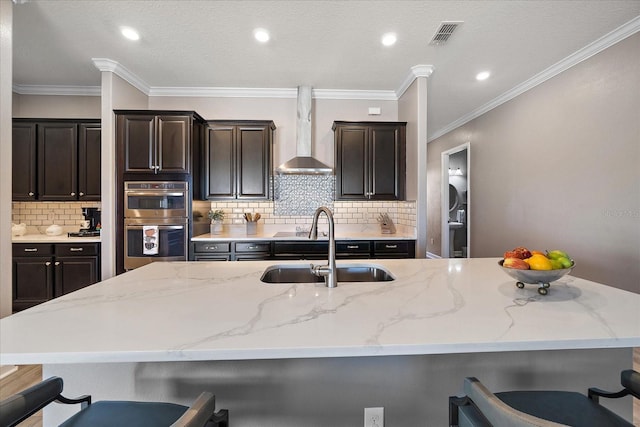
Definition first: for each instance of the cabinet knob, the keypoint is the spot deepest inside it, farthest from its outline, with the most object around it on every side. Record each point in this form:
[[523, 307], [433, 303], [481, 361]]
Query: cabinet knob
[[152, 167], [57, 263], [73, 194], [31, 193], [48, 263], [81, 193]]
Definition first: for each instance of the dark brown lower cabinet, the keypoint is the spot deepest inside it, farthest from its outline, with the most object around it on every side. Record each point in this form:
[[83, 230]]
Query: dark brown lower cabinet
[[302, 249], [44, 271]]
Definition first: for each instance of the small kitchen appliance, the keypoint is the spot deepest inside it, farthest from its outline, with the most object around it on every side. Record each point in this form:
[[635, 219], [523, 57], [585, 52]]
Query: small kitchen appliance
[[91, 224]]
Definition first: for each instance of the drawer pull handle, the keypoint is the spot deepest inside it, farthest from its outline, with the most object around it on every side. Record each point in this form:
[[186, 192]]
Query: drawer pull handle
[[73, 194], [391, 246], [30, 249], [353, 247], [30, 193], [76, 249], [212, 248]]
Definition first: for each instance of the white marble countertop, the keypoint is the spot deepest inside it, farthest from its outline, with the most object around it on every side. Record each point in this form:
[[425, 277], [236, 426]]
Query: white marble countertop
[[43, 238], [37, 234], [342, 232], [183, 311]]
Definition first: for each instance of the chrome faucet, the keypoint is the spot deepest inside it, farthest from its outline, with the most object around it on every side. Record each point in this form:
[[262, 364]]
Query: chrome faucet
[[329, 271]]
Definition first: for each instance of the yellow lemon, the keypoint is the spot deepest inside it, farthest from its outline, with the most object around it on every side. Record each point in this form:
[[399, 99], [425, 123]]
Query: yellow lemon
[[539, 262]]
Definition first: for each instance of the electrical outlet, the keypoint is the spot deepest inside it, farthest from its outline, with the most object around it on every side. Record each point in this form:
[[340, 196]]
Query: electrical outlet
[[373, 417]]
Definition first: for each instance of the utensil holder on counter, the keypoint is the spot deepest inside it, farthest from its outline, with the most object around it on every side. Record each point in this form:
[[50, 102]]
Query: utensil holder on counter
[[252, 227]]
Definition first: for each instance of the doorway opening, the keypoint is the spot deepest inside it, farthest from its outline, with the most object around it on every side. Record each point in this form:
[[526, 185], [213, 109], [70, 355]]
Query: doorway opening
[[456, 202]]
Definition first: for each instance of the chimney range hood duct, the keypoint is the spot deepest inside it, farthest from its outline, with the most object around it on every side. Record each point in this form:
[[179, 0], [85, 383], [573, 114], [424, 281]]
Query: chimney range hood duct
[[303, 163]]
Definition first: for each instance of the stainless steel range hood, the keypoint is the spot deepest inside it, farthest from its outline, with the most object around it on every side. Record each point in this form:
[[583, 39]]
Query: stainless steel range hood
[[303, 163]]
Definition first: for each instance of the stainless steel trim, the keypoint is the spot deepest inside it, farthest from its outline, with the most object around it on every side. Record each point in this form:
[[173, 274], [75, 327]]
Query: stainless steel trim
[[160, 227], [154, 193]]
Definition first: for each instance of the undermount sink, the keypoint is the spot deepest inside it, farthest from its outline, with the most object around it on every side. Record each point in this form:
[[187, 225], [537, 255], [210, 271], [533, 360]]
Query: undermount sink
[[296, 273]]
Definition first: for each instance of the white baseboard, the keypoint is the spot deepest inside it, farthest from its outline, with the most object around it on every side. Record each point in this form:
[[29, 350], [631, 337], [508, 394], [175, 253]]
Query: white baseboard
[[432, 256]]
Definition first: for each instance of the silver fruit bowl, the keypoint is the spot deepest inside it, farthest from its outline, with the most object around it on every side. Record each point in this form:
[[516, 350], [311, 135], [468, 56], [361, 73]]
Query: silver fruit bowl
[[543, 278]]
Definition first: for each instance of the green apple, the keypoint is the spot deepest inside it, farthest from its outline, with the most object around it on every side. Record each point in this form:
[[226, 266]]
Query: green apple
[[565, 261], [556, 254]]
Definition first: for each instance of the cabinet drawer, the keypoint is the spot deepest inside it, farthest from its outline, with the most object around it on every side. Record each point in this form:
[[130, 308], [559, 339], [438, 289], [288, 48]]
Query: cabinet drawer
[[212, 247], [82, 249], [32, 249], [392, 246], [252, 247], [353, 247]]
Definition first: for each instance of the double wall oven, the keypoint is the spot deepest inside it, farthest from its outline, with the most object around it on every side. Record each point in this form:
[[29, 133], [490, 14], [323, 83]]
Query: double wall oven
[[156, 222]]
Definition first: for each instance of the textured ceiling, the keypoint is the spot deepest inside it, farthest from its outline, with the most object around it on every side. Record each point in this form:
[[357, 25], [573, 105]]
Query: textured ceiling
[[325, 44]]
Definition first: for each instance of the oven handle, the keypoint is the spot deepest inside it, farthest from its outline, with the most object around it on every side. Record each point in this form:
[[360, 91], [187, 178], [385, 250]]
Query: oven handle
[[153, 193], [160, 227]]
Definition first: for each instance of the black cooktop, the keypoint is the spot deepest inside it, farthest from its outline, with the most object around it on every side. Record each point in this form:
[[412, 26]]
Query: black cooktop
[[84, 233]]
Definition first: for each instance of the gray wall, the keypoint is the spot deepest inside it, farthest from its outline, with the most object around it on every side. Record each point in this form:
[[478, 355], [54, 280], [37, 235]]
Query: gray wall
[[558, 167]]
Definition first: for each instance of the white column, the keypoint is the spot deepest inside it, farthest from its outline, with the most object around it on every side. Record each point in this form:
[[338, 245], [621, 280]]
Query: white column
[[6, 114]]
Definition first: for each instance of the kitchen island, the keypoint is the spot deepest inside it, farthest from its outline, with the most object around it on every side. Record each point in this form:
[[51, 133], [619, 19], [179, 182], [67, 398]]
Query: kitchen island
[[165, 330]]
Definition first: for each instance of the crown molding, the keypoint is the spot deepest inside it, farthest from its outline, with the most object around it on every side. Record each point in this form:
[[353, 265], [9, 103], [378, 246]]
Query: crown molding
[[604, 42], [223, 92], [416, 71], [57, 90], [372, 95], [105, 64]]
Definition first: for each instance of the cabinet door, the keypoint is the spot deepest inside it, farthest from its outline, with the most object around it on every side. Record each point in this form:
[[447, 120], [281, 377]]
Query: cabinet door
[[32, 281], [73, 273], [57, 161], [173, 144], [138, 136], [24, 161], [89, 156], [220, 163], [387, 176], [352, 165], [253, 162]]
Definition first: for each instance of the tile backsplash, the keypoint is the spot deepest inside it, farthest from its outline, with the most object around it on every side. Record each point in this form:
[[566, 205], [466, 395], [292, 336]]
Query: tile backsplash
[[401, 212], [47, 213], [300, 195], [70, 214]]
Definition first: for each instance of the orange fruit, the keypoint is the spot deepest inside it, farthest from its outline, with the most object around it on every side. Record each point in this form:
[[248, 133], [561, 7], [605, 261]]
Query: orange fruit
[[538, 252], [539, 262]]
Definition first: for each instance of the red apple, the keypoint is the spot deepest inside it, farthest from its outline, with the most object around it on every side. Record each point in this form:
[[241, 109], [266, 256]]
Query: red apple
[[516, 263]]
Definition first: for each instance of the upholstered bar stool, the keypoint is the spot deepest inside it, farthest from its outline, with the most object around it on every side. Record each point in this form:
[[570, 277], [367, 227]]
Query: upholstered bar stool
[[21, 406], [480, 407]]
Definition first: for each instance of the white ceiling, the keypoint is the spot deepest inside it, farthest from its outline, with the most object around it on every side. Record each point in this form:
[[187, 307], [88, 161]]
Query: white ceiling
[[325, 44]]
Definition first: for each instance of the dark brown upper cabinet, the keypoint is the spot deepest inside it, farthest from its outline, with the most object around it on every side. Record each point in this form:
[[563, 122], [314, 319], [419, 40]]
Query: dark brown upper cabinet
[[56, 160], [23, 169], [155, 143], [238, 159], [370, 160], [89, 164]]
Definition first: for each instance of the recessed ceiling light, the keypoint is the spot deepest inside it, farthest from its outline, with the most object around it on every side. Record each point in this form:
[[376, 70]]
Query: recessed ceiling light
[[389, 39], [483, 75], [130, 33], [261, 35]]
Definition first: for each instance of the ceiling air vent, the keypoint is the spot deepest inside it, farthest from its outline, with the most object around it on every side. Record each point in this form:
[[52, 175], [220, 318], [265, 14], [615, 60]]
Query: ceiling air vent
[[445, 32]]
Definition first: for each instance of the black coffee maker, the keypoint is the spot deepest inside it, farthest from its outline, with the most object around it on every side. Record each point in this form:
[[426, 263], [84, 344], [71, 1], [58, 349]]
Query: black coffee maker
[[93, 216]]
